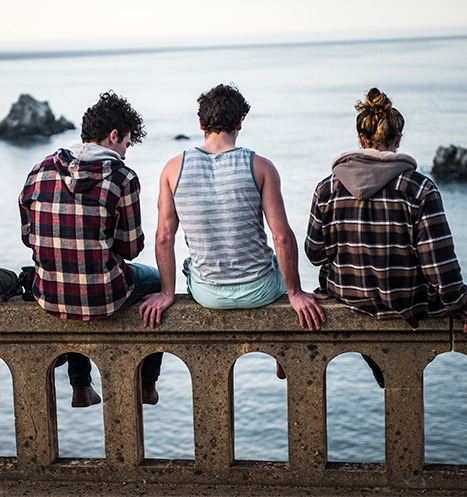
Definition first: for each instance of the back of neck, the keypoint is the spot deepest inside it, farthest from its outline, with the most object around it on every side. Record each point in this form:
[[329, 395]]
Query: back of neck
[[215, 143]]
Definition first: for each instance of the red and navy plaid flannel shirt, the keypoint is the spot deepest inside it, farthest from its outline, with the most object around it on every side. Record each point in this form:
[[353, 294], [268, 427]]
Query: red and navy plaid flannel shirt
[[80, 238]]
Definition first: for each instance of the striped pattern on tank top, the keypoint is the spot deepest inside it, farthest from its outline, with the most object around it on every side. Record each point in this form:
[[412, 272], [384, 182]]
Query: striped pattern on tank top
[[219, 207]]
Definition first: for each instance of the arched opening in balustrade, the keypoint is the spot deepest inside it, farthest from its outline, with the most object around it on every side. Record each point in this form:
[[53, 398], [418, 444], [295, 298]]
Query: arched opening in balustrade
[[260, 409], [355, 411], [7, 414], [445, 404], [80, 430], [168, 425]]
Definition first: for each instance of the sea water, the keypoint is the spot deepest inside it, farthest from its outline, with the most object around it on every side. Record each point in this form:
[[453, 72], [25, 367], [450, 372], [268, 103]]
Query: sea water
[[302, 115]]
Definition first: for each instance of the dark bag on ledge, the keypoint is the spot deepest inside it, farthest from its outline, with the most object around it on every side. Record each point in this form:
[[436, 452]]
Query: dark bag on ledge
[[12, 285]]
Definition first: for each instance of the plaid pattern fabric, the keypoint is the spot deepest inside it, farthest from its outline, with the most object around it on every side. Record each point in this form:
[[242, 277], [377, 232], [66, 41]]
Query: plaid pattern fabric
[[390, 254], [80, 237]]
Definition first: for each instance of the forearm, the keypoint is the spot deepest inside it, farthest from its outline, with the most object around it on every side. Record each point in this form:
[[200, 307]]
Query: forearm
[[285, 244], [155, 304], [287, 258], [165, 256], [308, 310]]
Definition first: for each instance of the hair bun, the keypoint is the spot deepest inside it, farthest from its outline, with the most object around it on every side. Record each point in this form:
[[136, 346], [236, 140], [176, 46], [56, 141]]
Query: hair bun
[[375, 102], [378, 102]]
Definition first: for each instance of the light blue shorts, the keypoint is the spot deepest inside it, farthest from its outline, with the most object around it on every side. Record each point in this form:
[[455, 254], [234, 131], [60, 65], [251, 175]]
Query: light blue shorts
[[243, 296]]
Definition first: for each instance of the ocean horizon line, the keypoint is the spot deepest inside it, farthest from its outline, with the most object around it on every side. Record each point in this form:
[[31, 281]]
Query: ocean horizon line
[[38, 53]]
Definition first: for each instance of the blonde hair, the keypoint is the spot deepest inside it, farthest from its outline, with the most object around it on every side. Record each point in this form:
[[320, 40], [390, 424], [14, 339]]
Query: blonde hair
[[378, 121]]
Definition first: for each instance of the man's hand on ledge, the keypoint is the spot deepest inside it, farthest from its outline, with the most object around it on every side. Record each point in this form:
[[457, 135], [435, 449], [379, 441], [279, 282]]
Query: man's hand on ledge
[[309, 311], [150, 311]]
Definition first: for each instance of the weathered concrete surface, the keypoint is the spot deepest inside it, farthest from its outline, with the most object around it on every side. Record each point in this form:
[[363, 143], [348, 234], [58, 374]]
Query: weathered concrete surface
[[188, 316], [145, 489], [209, 342]]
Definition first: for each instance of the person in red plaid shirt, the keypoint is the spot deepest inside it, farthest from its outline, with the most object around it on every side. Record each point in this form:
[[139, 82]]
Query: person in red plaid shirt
[[80, 214], [378, 229]]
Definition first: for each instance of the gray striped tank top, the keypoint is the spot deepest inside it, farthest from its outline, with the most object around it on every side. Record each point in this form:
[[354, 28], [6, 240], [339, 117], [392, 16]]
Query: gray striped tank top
[[219, 207]]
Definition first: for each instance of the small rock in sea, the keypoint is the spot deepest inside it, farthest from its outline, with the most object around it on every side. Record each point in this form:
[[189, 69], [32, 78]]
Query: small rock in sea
[[28, 117], [450, 160], [182, 137]]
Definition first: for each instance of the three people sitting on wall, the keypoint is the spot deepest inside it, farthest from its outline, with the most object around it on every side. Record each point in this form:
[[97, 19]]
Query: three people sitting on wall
[[377, 228]]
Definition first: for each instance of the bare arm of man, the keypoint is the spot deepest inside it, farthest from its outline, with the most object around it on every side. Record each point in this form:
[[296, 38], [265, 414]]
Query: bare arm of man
[[305, 304], [167, 224]]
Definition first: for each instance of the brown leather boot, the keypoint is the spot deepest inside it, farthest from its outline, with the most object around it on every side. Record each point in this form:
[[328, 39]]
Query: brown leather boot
[[149, 393], [84, 397], [377, 373], [280, 373]]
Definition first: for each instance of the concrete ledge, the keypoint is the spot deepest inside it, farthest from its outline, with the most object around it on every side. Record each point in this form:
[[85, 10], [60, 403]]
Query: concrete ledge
[[188, 316], [209, 342]]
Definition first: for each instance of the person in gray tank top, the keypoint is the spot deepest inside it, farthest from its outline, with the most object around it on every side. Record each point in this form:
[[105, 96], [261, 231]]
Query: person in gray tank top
[[220, 193]]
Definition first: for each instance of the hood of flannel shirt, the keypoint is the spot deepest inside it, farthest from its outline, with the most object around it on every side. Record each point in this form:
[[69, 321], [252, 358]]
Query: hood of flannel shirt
[[365, 171], [86, 164]]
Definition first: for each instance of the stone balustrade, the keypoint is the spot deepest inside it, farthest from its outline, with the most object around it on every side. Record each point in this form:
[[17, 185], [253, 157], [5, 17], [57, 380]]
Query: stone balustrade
[[209, 342]]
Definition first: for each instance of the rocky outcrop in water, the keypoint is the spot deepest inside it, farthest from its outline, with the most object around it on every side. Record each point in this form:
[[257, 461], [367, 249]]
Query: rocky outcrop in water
[[29, 117], [450, 160]]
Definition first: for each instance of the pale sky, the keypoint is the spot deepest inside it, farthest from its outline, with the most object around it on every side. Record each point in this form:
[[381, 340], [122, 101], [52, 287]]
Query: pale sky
[[174, 22]]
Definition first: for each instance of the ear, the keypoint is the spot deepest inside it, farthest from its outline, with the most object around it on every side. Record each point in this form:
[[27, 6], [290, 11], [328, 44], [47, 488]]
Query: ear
[[363, 141], [239, 125], [113, 136], [201, 126], [398, 139]]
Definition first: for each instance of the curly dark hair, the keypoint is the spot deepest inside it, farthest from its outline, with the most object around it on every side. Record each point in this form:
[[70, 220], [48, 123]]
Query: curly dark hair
[[109, 113], [221, 109]]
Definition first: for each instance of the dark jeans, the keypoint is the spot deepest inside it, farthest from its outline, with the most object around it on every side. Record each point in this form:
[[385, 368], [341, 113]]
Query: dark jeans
[[147, 280]]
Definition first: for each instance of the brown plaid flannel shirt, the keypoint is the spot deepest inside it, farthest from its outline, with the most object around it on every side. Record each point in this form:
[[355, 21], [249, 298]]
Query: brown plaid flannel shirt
[[390, 254]]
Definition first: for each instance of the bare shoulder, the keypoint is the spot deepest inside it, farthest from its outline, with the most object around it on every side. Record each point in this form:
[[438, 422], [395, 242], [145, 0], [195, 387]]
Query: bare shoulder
[[173, 165], [262, 162], [264, 170], [171, 171]]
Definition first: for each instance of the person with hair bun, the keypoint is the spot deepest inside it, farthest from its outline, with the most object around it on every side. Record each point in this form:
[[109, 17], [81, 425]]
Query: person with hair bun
[[378, 229]]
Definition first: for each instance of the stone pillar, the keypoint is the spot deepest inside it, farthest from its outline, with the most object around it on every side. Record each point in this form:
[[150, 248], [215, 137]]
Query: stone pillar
[[122, 406], [211, 372], [306, 410], [34, 405], [403, 365]]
